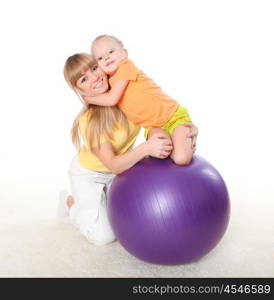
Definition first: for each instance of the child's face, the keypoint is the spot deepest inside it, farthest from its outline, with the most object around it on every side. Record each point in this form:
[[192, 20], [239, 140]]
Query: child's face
[[93, 81], [108, 53]]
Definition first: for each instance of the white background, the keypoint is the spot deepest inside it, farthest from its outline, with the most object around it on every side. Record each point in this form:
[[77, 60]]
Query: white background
[[214, 57]]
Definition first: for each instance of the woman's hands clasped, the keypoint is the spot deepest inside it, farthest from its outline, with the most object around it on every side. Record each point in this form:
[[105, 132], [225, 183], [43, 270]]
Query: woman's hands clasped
[[159, 145], [193, 133]]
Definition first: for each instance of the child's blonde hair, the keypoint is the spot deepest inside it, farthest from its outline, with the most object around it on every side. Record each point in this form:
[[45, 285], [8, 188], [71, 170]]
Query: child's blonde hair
[[102, 121], [119, 42]]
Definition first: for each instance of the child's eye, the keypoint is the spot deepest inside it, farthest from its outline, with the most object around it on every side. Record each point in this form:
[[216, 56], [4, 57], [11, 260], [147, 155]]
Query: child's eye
[[111, 51], [83, 79], [94, 68], [99, 58]]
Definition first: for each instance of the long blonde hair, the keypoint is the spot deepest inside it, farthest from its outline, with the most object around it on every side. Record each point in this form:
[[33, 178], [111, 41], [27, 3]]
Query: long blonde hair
[[102, 121]]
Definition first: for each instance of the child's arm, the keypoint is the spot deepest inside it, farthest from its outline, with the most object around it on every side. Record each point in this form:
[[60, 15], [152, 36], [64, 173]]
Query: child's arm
[[109, 98], [157, 146]]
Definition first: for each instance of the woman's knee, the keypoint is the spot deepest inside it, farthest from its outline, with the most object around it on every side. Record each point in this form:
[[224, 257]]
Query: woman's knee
[[99, 235], [102, 241]]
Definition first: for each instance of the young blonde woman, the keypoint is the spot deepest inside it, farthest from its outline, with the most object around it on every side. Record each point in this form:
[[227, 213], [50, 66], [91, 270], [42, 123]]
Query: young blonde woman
[[104, 139]]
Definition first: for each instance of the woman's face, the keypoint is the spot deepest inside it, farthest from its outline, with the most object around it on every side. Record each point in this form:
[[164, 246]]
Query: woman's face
[[93, 82]]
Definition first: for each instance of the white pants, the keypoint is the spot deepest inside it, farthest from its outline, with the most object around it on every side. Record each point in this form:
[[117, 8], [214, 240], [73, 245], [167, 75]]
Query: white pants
[[88, 213]]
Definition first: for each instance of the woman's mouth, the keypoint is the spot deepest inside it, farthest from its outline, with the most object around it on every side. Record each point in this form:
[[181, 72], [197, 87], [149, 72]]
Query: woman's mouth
[[98, 84]]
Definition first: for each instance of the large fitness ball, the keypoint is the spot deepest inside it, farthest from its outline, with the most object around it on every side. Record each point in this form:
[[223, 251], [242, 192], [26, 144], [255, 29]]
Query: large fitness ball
[[168, 214]]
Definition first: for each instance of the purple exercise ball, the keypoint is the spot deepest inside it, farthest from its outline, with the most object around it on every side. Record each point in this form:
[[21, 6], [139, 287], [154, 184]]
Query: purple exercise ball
[[168, 214]]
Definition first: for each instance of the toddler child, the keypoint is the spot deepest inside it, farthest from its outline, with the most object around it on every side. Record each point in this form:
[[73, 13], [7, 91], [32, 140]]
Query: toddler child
[[141, 99]]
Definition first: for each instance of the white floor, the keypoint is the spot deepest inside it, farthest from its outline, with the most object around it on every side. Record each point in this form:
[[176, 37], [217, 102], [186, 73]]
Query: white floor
[[34, 244]]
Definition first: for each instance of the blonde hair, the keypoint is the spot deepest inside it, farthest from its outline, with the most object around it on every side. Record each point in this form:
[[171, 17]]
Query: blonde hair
[[119, 42], [102, 121]]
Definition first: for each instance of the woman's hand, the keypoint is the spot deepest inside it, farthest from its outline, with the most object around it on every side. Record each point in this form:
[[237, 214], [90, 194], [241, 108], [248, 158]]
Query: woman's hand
[[193, 133], [86, 99], [159, 145]]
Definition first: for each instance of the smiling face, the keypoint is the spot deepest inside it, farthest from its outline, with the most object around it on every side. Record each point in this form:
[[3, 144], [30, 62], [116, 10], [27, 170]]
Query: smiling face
[[108, 53], [93, 81]]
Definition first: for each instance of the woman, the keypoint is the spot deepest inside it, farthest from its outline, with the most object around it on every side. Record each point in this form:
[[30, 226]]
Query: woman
[[107, 138]]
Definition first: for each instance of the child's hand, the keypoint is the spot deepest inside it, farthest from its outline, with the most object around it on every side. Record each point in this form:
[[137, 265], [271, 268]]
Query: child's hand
[[159, 146], [193, 133]]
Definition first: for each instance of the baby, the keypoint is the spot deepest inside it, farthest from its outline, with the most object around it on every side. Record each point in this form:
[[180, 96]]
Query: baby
[[141, 99]]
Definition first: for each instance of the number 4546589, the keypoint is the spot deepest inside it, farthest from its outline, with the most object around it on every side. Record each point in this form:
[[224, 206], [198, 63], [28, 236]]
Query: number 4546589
[[247, 289]]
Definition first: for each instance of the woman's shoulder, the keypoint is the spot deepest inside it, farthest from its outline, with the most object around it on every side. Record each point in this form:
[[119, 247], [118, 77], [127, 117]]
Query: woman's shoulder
[[134, 129], [87, 113], [85, 116]]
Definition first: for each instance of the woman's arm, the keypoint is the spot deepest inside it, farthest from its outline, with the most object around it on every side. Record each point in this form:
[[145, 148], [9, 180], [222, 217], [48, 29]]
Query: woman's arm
[[109, 98], [157, 146]]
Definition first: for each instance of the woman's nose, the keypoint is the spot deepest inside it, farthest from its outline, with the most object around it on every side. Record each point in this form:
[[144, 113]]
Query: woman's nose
[[94, 76]]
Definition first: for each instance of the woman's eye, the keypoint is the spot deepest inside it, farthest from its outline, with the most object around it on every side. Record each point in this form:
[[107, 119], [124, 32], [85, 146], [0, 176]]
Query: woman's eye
[[94, 68], [99, 58], [111, 51], [83, 79]]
